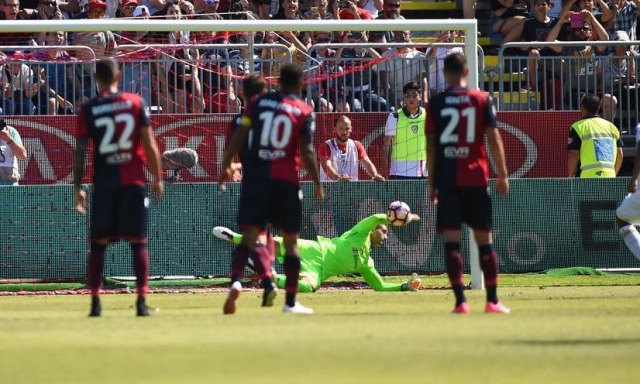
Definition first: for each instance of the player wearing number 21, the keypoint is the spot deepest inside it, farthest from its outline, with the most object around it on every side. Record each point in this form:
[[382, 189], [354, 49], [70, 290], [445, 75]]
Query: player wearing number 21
[[459, 119], [269, 133], [119, 127]]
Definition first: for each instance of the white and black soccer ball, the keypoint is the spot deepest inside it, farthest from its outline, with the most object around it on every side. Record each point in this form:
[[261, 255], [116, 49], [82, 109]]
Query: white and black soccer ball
[[398, 213]]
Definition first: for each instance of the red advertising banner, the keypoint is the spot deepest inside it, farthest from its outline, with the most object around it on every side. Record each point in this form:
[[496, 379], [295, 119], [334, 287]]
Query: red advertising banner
[[535, 142]]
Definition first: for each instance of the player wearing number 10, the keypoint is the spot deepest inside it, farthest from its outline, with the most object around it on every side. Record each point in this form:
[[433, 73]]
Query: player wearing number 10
[[269, 133], [459, 118], [119, 127]]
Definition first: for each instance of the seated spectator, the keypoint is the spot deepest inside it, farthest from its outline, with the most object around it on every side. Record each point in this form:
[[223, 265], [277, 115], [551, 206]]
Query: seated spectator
[[371, 6], [401, 66], [435, 59], [55, 67], [20, 87], [319, 10], [361, 76], [542, 76], [299, 41], [136, 68], [181, 91], [507, 18], [102, 43], [617, 73], [45, 10], [11, 11], [390, 11], [326, 88], [625, 18], [580, 70]]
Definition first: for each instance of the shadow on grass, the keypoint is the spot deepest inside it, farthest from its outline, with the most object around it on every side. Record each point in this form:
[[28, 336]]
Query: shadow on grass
[[545, 343]]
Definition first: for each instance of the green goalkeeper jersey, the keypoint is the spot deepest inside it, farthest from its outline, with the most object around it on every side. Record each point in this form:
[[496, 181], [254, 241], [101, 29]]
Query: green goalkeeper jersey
[[349, 253]]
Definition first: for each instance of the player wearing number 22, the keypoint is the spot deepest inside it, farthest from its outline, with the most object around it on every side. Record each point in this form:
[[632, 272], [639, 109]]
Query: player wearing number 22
[[119, 127], [458, 175], [269, 133]]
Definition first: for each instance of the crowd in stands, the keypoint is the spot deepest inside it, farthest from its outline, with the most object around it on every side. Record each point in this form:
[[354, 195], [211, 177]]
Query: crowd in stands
[[183, 72]]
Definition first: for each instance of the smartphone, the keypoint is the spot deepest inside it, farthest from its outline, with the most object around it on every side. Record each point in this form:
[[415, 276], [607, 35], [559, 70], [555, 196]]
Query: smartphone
[[343, 4], [577, 20]]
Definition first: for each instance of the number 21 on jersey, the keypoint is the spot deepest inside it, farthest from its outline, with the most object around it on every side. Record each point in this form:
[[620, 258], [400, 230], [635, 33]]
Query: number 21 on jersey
[[450, 132]]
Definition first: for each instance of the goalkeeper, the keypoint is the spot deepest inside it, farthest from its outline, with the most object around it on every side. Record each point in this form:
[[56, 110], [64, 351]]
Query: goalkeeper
[[349, 253]]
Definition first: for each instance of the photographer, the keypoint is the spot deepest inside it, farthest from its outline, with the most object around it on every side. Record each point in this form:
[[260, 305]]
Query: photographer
[[11, 149]]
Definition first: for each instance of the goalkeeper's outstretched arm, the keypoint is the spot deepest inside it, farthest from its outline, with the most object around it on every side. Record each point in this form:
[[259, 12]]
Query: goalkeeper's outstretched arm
[[375, 281]]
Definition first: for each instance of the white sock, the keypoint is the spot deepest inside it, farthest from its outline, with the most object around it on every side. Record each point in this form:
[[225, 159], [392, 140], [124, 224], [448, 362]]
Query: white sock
[[631, 239]]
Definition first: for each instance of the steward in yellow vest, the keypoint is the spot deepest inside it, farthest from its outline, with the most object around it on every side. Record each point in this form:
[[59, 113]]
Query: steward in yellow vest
[[594, 142]]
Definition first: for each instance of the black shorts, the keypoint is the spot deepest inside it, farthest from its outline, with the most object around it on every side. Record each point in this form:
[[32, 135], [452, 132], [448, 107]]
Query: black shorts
[[119, 213], [276, 203], [471, 205]]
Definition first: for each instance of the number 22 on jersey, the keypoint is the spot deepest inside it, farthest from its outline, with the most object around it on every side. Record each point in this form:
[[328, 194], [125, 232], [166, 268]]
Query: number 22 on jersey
[[115, 144]]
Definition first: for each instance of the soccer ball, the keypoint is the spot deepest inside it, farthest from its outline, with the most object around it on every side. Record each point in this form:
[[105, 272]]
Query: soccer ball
[[398, 213]]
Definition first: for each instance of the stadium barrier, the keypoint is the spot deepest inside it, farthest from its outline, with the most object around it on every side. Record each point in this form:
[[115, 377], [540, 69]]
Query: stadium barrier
[[535, 142], [541, 224]]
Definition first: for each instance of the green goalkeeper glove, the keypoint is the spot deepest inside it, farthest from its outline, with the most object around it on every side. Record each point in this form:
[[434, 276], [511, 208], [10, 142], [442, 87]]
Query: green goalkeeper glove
[[413, 284]]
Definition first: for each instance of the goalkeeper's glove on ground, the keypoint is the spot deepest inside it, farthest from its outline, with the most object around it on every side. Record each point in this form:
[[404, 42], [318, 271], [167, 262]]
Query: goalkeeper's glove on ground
[[413, 284]]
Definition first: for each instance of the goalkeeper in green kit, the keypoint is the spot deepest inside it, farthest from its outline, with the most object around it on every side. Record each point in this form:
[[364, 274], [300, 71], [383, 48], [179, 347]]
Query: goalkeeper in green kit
[[325, 258]]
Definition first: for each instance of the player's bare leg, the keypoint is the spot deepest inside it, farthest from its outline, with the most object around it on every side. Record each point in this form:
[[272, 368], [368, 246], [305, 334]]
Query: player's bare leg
[[239, 262], [489, 266], [95, 266], [292, 272], [454, 264], [141, 269]]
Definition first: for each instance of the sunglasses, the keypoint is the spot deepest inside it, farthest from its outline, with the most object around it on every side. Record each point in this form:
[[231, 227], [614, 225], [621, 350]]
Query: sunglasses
[[582, 29], [211, 2], [129, 7]]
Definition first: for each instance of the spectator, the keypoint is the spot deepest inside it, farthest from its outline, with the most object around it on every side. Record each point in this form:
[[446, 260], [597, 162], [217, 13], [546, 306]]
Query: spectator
[[11, 149], [617, 73], [626, 16], [154, 6], [11, 11], [21, 88], [239, 58], [349, 10], [127, 7], [136, 71], [340, 157], [371, 6], [601, 11], [390, 11], [319, 11], [580, 72], [545, 77], [361, 77], [402, 65], [55, 67], [404, 138], [102, 43], [435, 58], [594, 143], [179, 74], [327, 92], [300, 41], [69, 8], [208, 8], [507, 18], [45, 10]]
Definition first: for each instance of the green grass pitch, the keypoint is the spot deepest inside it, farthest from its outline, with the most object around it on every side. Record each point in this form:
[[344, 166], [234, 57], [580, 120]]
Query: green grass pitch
[[555, 334]]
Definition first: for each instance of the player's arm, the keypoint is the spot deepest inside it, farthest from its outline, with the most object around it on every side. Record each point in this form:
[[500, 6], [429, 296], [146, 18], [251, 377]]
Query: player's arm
[[236, 141], [573, 152], [496, 147], [375, 281], [308, 155], [325, 162], [430, 132], [389, 133], [619, 155], [153, 157]]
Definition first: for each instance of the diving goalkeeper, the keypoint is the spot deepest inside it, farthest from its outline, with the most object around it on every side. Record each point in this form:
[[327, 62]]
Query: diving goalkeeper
[[349, 253]]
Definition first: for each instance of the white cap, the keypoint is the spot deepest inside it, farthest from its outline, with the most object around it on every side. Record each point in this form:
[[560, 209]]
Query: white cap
[[620, 36], [139, 9]]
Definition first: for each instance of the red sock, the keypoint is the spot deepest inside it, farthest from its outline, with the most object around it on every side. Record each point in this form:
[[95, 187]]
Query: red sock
[[95, 265], [141, 268]]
